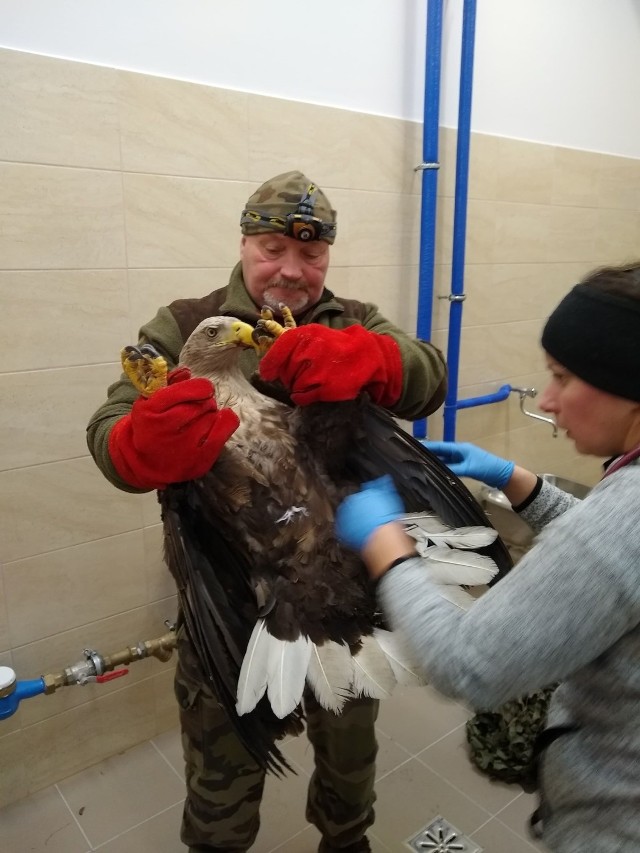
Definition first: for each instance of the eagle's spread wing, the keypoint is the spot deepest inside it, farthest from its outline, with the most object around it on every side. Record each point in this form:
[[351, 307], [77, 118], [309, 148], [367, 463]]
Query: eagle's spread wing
[[271, 600]]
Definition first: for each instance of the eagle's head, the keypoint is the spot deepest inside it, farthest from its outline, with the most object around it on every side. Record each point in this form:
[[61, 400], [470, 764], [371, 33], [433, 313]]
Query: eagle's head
[[214, 342]]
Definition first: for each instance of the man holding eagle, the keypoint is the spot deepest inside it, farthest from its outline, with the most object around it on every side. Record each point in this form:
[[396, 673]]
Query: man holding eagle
[[183, 439]]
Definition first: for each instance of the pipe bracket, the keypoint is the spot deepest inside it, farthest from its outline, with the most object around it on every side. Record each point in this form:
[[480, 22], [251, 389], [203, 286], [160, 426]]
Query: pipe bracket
[[422, 166]]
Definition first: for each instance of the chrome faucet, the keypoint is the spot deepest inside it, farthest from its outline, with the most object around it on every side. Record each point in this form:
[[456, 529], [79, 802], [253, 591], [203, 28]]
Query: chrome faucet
[[531, 392]]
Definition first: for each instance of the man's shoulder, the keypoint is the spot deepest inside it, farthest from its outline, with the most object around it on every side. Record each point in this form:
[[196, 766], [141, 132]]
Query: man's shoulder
[[187, 313]]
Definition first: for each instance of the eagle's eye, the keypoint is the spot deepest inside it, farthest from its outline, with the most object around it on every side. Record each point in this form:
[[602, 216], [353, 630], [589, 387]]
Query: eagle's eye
[[211, 331]]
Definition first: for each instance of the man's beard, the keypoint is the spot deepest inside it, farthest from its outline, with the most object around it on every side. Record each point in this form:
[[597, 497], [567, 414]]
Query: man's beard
[[297, 301]]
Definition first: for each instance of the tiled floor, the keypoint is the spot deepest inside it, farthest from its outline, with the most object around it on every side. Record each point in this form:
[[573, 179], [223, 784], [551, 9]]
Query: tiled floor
[[132, 802]]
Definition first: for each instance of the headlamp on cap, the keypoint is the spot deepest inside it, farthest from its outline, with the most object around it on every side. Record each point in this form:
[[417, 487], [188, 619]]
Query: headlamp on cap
[[301, 224]]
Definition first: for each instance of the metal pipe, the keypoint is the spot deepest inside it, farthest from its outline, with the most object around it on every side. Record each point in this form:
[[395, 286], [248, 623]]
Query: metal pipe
[[94, 668], [501, 394], [429, 168], [460, 216]]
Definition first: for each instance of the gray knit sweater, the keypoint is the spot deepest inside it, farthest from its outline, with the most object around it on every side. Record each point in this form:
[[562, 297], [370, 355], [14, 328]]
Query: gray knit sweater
[[568, 612]]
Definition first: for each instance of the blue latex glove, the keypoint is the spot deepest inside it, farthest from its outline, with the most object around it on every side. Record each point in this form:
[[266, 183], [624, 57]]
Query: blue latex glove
[[359, 515], [467, 460]]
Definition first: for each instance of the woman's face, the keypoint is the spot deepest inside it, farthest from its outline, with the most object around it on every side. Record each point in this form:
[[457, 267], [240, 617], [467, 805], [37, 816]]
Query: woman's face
[[599, 424]]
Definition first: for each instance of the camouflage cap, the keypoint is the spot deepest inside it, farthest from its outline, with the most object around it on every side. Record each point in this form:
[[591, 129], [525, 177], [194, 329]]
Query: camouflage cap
[[292, 205]]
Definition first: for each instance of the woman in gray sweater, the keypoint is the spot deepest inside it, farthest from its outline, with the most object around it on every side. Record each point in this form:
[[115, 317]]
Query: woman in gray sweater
[[570, 610]]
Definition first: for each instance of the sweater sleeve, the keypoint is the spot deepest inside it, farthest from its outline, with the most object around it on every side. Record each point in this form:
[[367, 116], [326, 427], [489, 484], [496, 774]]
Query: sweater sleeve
[[163, 333], [569, 599]]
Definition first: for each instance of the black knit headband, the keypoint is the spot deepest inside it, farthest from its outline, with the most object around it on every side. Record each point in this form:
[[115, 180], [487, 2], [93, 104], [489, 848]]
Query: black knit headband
[[596, 336]]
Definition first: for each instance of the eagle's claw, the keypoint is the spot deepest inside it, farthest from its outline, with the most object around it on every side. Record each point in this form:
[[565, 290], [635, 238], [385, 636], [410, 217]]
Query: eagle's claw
[[268, 330], [145, 367]]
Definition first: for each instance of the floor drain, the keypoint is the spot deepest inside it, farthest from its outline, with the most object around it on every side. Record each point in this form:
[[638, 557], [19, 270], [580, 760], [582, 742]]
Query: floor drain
[[440, 836]]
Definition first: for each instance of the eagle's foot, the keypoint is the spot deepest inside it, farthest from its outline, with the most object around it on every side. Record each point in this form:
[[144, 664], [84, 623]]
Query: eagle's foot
[[145, 367], [268, 330]]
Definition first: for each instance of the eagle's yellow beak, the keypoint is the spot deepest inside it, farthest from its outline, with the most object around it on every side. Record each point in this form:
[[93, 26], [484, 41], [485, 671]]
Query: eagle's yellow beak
[[243, 332]]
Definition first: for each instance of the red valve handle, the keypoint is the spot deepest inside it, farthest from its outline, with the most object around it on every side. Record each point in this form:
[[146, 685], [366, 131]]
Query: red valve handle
[[109, 676]]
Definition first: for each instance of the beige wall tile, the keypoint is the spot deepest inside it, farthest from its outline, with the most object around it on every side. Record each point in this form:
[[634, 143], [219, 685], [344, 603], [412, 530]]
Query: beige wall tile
[[383, 229], [521, 232], [48, 593], [618, 235], [484, 166], [166, 706], [177, 128], [152, 288], [44, 413], [575, 177], [525, 171], [393, 289], [14, 783], [618, 183], [573, 234], [180, 222], [62, 318], [47, 507], [58, 112], [286, 135], [487, 355], [383, 153], [160, 583], [69, 742], [54, 217], [5, 642], [107, 637]]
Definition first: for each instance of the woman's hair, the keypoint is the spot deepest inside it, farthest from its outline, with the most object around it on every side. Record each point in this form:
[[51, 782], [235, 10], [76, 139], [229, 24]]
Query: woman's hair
[[622, 281]]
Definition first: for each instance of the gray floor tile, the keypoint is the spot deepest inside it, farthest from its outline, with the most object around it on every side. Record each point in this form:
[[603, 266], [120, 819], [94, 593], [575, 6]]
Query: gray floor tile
[[41, 823]]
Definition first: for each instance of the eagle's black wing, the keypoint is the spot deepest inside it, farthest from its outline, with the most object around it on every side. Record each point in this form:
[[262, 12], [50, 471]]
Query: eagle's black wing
[[361, 442], [218, 602]]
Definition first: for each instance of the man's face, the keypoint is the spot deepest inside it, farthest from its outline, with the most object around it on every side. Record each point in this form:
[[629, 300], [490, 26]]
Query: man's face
[[280, 269]]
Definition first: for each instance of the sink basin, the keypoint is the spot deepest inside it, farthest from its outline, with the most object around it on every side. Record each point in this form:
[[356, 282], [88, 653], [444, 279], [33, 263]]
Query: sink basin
[[515, 532], [578, 490]]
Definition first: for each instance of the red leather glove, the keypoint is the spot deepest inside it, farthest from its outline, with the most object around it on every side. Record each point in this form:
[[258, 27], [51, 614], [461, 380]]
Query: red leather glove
[[317, 364], [174, 435]]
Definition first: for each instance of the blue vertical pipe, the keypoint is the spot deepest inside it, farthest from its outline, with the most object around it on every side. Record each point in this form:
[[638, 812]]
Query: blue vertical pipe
[[430, 132], [460, 215]]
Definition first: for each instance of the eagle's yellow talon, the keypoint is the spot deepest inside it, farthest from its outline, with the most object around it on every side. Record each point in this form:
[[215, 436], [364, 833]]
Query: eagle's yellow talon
[[269, 330], [145, 368]]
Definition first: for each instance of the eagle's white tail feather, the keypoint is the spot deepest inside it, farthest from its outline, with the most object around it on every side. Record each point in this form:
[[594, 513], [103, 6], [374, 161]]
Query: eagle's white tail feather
[[287, 669], [404, 669], [330, 674], [252, 682], [372, 673]]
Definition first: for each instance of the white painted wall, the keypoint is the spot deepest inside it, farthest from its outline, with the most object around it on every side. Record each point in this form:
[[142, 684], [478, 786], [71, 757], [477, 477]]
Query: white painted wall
[[565, 72]]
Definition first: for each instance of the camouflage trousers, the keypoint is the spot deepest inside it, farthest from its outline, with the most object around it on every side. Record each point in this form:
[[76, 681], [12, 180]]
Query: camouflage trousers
[[225, 785]]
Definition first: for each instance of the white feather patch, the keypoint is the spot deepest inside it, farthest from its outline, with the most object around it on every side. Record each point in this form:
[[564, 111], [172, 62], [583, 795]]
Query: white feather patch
[[427, 528], [372, 673], [253, 673], [404, 669], [330, 674], [450, 566], [287, 670]]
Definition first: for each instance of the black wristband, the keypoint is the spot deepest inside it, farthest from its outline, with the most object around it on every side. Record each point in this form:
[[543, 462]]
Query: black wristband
[[392, 565], [532, 496]]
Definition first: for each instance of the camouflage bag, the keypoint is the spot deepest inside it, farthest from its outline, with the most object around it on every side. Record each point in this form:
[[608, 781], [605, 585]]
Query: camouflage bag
[[502, 742]]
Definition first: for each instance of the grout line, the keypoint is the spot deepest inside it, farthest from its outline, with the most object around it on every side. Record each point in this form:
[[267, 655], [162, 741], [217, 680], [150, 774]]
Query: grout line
[[73, 815], [164, 758], [136, 825]]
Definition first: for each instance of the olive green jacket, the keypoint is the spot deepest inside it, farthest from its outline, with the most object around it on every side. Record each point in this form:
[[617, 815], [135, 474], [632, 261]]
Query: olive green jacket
[[425, 373]]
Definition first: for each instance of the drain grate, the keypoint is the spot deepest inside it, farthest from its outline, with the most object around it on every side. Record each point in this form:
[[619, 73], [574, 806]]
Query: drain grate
[[440, 836]]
